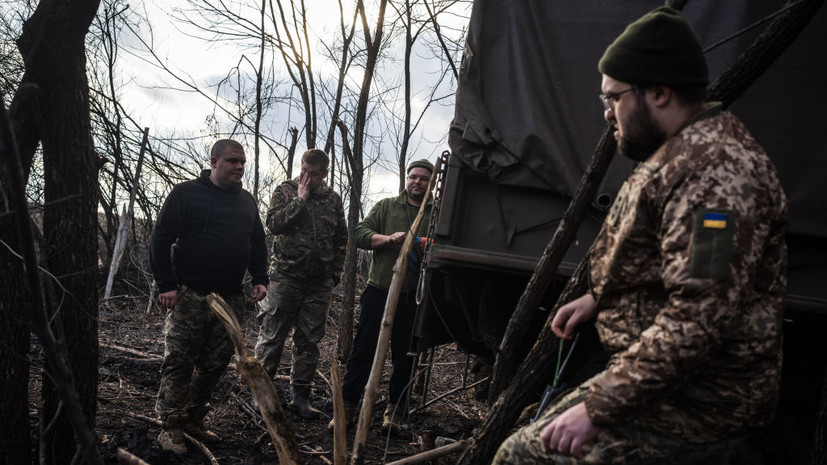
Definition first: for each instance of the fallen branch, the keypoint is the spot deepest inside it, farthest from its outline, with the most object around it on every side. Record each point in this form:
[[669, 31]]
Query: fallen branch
[[127, 458], [148, 357], [278, 425], [433, 453], [446, 394]]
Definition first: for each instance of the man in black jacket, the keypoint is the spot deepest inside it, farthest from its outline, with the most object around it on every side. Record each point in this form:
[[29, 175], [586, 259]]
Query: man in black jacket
[[209, 231]]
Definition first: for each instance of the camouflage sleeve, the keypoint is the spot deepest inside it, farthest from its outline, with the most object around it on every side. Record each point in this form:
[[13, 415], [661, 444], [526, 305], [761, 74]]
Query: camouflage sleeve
[[703, 306], [285, 207], [339, 237]]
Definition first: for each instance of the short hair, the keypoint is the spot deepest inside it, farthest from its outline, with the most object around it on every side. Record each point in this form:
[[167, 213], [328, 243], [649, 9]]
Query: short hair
[[219, 147], [316, 157]]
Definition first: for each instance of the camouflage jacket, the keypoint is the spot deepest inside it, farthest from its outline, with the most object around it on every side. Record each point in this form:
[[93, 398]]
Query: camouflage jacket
[[689, 275], [310, 237]]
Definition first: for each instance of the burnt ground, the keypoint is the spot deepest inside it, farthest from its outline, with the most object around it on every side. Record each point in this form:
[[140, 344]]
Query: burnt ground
[[130, 357]]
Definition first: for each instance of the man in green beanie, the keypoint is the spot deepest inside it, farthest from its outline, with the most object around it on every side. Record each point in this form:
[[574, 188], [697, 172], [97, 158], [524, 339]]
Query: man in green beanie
[[383, 230], [687, 274]]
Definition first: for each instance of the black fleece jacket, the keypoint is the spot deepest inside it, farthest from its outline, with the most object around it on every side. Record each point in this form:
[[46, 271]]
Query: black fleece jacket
[[205, 237]]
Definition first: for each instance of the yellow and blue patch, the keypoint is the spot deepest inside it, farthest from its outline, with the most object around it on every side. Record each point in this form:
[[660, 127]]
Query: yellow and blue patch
[[712, 243], [715, 220]]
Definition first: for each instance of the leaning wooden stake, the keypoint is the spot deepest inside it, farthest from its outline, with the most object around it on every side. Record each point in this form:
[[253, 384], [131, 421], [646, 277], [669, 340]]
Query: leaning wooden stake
[[385, 330], [339, 427], [126, 219], [433, 453], [278, 425]]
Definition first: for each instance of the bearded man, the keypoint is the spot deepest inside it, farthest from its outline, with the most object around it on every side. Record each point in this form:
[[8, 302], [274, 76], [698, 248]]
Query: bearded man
[[687, 274], [383, 230]]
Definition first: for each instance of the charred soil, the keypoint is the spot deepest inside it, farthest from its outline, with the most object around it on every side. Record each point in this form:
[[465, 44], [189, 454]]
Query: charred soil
[[131, 350]]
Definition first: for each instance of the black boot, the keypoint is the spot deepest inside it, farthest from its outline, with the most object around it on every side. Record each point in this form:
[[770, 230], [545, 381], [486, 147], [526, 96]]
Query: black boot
[[300, 405]]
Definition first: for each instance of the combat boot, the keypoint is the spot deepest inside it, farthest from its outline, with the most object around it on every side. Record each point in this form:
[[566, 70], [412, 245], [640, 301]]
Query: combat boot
[[196, 426], [392, 418], [300, 404], [172, 433], [350, 416]]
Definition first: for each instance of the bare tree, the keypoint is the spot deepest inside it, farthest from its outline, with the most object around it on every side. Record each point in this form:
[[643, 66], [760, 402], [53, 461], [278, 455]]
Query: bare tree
[[53, 51], [356, 159], [414, 24]]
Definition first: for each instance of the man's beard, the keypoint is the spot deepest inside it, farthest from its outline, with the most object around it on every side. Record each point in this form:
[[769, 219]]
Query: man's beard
[[416, 197], [642, 137]]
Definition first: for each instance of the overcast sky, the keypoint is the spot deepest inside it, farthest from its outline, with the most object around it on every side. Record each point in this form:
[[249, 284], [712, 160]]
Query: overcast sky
[[149, 93]]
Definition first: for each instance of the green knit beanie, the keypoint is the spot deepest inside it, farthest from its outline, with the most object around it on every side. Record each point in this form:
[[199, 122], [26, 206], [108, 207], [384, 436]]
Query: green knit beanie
[[659, 48], [423, 163]]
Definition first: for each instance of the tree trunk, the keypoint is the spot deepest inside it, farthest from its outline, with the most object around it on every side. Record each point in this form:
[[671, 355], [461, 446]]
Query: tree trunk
[[53, 49], [355, 170], [15, 445], [291, 152]]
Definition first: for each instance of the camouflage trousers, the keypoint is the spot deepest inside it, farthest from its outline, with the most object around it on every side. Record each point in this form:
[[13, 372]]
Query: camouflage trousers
[[295, 305], [197, 350], [627, 444]]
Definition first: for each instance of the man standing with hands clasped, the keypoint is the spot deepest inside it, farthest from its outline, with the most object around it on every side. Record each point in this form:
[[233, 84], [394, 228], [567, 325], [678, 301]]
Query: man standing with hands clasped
[[207, 234], [687, 274], [308, 221]]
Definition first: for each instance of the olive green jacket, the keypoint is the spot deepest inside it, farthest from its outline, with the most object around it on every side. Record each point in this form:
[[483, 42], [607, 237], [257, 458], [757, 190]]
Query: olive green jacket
[[388, 216]]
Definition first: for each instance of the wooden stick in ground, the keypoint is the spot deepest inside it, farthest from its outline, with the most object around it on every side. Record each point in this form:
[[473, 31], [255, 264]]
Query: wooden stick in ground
[[433, 453], [278, 425], [125, 221], [339, 427], [385, 329]]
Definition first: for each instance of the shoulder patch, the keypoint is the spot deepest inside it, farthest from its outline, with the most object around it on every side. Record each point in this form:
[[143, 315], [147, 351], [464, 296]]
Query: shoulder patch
[[712, 243]]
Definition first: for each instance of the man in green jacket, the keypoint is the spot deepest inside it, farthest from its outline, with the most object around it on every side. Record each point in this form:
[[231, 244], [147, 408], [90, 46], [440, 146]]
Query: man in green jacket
[[384, 231], [308, 222]]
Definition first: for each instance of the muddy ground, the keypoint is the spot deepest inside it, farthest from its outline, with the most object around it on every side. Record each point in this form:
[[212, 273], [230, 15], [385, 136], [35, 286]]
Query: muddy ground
[[131, 349]]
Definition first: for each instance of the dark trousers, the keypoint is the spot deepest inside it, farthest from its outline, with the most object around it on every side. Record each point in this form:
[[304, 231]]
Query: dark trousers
[[367, 335]]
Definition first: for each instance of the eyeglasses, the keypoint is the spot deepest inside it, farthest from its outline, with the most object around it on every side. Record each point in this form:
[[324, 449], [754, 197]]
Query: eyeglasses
[[609, 100], [418, 178]]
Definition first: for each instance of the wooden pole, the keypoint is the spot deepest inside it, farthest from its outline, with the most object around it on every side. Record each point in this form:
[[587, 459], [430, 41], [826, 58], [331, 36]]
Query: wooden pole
[[126, 219], [339, 427], [278, 425], [385, 329], [433, 453]]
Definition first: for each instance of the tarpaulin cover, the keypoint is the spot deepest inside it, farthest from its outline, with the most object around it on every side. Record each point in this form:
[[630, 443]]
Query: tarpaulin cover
[[527, 111]]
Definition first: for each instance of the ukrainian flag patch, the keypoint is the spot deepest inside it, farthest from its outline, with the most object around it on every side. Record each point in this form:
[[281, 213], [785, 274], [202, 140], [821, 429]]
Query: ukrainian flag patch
[[712, 243], [715, 220]]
